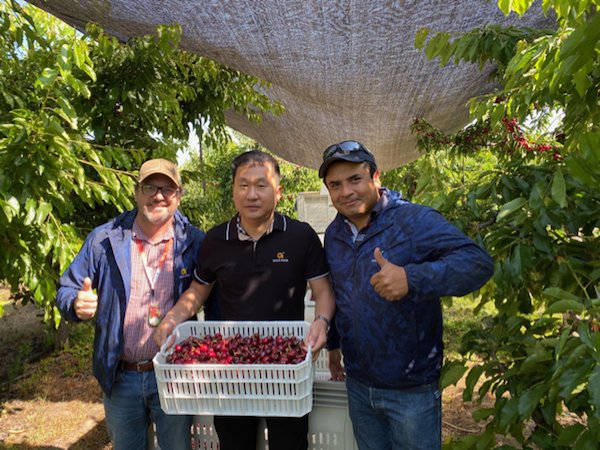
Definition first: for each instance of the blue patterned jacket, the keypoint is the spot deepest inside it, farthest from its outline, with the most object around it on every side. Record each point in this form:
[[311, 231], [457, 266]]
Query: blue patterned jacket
[[105, 257], [398, 344]]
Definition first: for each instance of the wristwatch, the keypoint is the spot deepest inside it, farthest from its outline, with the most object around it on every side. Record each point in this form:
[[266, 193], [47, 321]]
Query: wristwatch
[[325, 319]]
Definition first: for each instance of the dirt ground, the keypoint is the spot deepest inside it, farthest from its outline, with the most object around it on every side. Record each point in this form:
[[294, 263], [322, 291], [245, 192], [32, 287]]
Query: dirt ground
[[58, 405]]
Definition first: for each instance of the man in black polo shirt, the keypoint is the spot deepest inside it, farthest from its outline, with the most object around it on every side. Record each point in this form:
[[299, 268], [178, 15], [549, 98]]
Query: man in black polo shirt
[[261, 261]]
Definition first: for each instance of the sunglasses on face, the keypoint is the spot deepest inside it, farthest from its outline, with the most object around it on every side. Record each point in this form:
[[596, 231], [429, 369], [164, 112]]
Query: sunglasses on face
[[150, 190], [345, 148]]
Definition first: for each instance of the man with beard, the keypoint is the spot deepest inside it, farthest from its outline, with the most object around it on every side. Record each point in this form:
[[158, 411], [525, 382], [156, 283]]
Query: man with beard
[[139, 263]]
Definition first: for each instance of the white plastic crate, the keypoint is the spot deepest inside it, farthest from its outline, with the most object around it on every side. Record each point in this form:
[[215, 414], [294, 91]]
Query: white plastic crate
[[280, 390], [203, 435], [329, 425]]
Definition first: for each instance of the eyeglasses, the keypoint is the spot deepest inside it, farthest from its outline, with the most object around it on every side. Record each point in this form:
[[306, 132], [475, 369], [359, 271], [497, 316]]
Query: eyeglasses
[[150, 190], [346, 148]]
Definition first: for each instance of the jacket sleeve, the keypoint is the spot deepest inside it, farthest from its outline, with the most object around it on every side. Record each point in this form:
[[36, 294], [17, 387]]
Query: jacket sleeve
[[449, 262], [71, 281]]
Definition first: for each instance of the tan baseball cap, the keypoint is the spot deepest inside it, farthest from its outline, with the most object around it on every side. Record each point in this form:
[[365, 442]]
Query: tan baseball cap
[[159, 166]]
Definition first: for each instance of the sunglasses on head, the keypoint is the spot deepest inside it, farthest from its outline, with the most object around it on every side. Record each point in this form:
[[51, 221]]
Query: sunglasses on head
[[345, 147]]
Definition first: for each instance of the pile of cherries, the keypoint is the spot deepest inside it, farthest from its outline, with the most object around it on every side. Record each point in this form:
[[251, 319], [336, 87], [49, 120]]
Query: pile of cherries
[[237, 349]]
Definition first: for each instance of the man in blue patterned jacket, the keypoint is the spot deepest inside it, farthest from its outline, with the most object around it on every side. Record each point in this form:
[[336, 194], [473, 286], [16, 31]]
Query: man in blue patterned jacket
[[390, 263]]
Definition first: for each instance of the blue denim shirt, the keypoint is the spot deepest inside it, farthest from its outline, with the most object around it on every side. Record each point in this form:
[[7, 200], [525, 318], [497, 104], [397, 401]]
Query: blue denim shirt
[[398, 344], [105, 257]]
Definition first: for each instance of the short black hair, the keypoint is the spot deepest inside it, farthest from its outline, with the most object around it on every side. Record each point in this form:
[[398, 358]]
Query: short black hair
[[372, 168], [254, 157]]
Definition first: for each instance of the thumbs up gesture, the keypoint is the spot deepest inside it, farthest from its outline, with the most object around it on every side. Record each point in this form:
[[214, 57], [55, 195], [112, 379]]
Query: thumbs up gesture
[[86, 301], [390, 281]]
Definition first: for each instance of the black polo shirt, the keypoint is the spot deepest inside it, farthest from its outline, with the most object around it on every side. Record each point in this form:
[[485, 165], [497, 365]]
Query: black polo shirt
[[264, 279]]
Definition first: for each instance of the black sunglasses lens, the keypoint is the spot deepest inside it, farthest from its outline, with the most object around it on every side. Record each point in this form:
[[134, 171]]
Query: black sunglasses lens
[[350, 146], [346, 147], [329, 151]]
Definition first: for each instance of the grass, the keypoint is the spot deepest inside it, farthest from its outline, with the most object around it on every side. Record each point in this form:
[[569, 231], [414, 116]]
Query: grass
[[81, 346]]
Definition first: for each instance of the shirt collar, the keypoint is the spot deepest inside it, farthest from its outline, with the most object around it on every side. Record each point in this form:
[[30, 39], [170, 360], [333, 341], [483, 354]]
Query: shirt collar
[[235, 229]]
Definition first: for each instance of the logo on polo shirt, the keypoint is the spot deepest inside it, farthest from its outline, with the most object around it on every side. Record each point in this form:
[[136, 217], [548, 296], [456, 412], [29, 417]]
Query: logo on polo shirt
[[184, 271], [281, 258]]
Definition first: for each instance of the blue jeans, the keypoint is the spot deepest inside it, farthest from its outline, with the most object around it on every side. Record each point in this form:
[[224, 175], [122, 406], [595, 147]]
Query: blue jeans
[[134, 397], [389, 419]]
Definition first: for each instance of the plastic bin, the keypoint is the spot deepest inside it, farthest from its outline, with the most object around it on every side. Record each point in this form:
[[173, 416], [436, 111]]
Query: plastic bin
[[329, 425], [280, 390]]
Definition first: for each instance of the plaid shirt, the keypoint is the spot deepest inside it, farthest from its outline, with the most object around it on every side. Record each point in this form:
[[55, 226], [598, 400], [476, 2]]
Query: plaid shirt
[[137, 332]]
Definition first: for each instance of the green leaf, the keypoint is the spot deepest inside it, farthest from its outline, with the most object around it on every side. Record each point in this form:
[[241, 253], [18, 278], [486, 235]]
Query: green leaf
[[43, 210], [8, 98], [520, 6], [451, 374], [30, 207], [471, 381], [509, 412], [569, 435], [593, 389], [11, 207], [437, 44], [89, 71], [543, 243], [582, 81], [498, 114], [420, 38], [572, 42], [587, 441], [562, 306], [505, 6], [483, 413], [67, 108], [578, 169], [559, 191], [438, 201], [531, 363], [573, 377], [511, 207], [81, 88], [78, 55], [590, 150], [561, 294], [47, 78], [586, 337], [529, 400], [422, 183]]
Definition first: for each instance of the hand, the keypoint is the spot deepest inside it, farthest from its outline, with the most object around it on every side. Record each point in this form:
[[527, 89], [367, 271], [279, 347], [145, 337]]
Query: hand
[[334, 360], [163, 331], [86, 302], [316, 338], [390, 281]]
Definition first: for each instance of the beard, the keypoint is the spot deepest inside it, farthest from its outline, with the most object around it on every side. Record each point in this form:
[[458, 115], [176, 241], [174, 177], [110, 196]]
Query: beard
[[157, 217]]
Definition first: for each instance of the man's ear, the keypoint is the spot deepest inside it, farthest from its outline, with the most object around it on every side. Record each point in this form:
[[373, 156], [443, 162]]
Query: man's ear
[[377, 179], [278, 193]]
